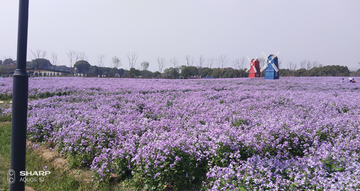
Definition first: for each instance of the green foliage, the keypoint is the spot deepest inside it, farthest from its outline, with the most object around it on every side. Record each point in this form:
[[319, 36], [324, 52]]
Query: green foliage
[[185, 173], [206, 72], [134, 73], [121, 167], [286, 72], [216, 73], [171, 73], [357, 73], [239, 122], [5, 97], [93, 70], [156, 74], [40, 63], [8, 61], [5, 134], [169, 103], [301, 72], [222, 157], [82, 66], [188, 71], [146, 74], [40, 134], [333, 165], [4, 118], [333, 70], [145, 65]]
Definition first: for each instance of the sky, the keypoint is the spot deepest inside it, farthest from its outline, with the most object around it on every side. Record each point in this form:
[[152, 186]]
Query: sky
[[326, 31]]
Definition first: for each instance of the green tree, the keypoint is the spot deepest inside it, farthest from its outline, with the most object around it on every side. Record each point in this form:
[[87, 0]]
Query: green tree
[[145, 65], [357, 73], [133, 73], [301, 72], [156, 74], [116, 62], [235, 73], [216, 73], [187, 71], [206, 72], [125, 74], [113, 71], [146, 74], [93, 70], [226, 73], [8, 61], [171, 72], [121, 72], [82, 66], [41, 63], [285, 72], [243, 73]]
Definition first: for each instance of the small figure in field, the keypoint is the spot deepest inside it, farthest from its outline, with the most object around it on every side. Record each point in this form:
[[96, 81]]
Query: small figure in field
[[352, 80], [342, 80]]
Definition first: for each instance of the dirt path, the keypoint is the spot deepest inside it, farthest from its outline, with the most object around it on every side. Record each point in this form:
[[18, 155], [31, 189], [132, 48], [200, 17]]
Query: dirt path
[[60, 163]]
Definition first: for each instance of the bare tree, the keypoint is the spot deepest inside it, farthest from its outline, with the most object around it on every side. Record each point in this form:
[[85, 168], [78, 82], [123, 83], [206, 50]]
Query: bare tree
[[262, 61], [211, 62], [101, 62], [279, 63], [54, 59], [239, 63], [174, 61], [201, 64], [222, 60], [71, 54], [308, 65], [80, 56], [132, 59], [201, 61], [292, 66], [303, 64], [236, 63], [38, 54], [116, 62], [242, 63], [189, 60], [161, 63], [315, 64]]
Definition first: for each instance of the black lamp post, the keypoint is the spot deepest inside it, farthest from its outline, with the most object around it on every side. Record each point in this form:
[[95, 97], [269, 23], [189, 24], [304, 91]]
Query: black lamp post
[[19, 103]]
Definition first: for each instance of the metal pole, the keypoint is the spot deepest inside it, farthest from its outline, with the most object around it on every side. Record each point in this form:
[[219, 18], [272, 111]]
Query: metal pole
[[19, 103]]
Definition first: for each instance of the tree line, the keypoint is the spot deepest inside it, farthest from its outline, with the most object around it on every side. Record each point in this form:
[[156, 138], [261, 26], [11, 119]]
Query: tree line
[[203, 69]]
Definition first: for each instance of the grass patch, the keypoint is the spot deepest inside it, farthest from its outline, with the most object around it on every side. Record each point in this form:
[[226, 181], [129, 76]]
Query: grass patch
[[5, 132], [59, 179]]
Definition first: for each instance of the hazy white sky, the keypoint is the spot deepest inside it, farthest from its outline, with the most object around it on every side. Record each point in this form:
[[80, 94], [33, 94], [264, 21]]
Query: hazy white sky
[[326, 31]]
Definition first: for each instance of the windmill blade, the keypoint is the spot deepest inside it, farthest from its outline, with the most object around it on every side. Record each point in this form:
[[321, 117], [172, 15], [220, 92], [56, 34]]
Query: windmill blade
[[266, 58], [274, 66], [254, 69], [263, 68], [249, 59], [247, 70], [273, 56], [277, 53]]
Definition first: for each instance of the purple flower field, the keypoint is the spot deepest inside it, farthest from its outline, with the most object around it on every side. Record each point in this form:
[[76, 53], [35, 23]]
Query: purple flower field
[[219, 134]]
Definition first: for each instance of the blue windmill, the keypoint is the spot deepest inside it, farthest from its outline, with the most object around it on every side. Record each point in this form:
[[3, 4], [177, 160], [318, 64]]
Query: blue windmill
[[271, 66]]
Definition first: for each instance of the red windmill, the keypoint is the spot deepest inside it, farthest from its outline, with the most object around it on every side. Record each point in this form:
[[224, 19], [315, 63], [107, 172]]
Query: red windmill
[[254, 70]]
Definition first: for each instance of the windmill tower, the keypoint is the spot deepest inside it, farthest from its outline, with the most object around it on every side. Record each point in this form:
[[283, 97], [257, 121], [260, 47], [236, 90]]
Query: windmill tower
[[254, 70], [271, 67]]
